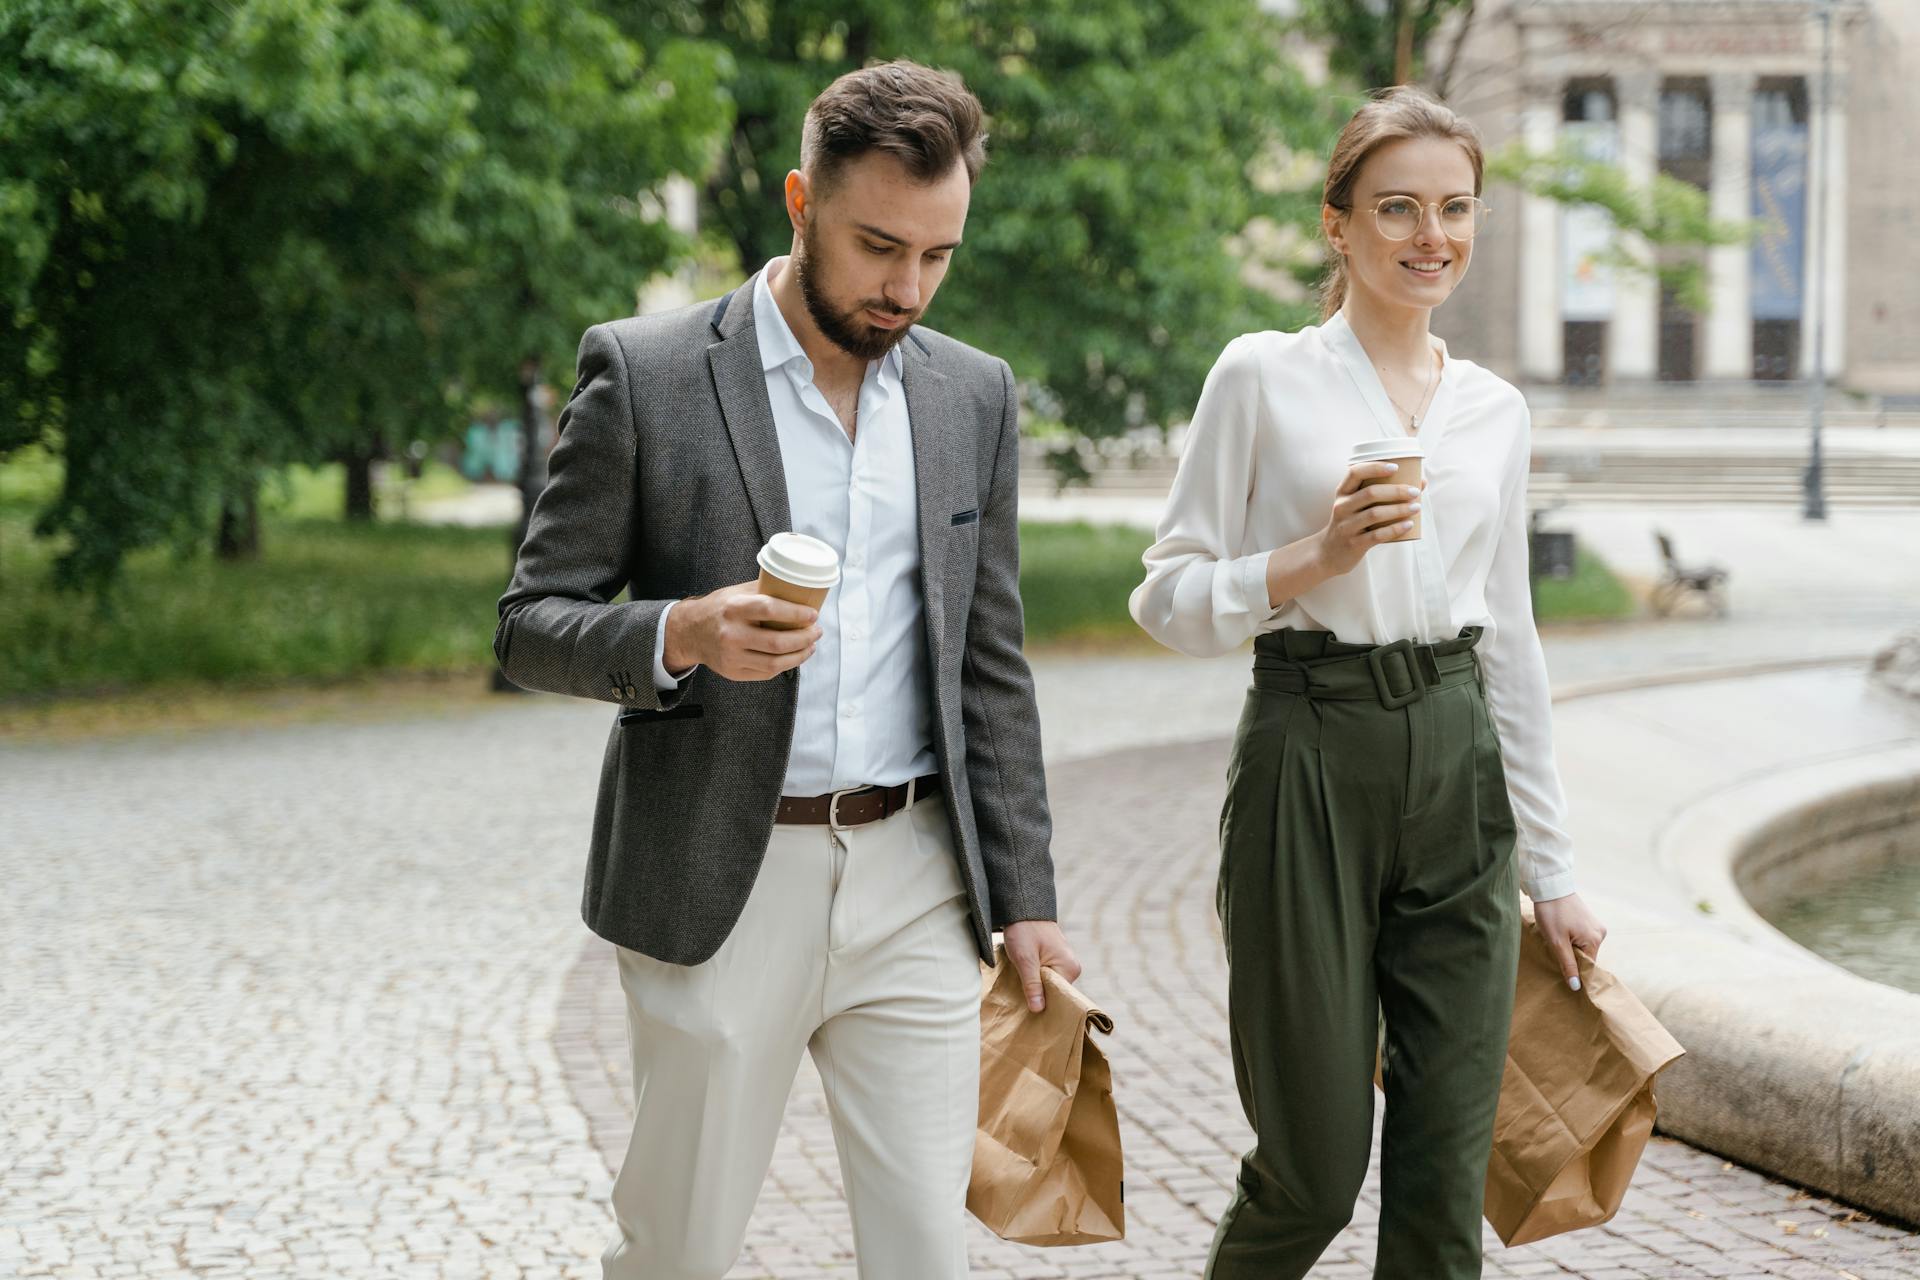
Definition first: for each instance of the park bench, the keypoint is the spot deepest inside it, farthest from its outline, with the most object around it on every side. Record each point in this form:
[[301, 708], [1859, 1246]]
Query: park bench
[[1678, 581]]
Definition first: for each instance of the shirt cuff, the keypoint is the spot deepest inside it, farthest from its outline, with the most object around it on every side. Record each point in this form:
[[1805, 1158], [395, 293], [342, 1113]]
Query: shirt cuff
[[1251, 577], [1547, 888], [662, 678]]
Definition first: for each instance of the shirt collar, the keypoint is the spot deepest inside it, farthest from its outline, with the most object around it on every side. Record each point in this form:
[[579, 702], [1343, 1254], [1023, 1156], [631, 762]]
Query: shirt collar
[[1339, 329], [778, 345]]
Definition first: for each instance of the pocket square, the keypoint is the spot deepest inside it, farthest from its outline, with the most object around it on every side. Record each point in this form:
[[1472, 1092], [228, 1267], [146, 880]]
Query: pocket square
[[967, 517]]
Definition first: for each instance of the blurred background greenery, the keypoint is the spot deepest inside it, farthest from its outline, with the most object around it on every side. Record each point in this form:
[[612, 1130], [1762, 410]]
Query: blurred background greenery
[[262, 262], [339, 599]]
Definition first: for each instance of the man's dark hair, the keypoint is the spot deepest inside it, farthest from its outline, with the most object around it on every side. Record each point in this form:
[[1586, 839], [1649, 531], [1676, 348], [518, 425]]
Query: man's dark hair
[[926, 119]]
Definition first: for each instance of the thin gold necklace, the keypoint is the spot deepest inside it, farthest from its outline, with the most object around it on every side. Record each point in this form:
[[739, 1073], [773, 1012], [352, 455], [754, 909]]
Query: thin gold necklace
[[1433, 382]]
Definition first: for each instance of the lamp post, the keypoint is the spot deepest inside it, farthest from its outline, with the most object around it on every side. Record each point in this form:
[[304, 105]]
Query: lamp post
[[1813, 479]]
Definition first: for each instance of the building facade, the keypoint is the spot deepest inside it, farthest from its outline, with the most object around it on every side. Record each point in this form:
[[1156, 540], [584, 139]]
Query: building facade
[[1725, 95]]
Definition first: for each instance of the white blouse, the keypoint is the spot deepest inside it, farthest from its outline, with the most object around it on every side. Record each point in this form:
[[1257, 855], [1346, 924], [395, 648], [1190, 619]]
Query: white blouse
[[1266, 449]]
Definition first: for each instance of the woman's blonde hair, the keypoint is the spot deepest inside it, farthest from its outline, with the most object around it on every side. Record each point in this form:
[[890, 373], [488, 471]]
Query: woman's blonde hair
[[1392, 114]]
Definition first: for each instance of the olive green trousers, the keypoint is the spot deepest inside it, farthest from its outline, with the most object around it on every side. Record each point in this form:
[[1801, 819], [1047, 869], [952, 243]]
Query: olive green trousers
[[1366, 870]]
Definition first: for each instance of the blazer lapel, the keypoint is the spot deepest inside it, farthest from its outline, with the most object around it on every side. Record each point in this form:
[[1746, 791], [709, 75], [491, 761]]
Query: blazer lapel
[[936, 434], [741, 385]]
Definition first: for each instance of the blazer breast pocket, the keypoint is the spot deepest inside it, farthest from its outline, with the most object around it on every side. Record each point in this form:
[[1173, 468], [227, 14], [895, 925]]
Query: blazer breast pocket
[[969, 516], [641, 715]]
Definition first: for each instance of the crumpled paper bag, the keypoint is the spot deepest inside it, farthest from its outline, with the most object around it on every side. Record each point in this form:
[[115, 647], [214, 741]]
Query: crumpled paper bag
[[1576, 1102], [1047, 1168]]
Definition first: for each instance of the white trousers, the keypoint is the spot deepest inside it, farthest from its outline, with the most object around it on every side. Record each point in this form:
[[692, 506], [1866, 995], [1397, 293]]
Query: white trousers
[[861, 955]]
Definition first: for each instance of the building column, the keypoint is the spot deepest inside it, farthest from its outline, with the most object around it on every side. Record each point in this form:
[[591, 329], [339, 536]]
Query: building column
[[1827, 204], [1541, 331], [1633, 347], [1729, 326]]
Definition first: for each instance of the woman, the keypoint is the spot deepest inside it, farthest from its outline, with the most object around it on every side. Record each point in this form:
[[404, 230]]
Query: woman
[[1394, 761]]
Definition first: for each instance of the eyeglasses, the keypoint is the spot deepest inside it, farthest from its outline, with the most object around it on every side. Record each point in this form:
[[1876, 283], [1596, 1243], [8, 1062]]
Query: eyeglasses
[[1461, 217]]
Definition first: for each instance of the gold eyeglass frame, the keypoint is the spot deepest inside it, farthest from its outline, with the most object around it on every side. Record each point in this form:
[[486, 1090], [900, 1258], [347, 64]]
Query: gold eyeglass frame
[[1486, 211]]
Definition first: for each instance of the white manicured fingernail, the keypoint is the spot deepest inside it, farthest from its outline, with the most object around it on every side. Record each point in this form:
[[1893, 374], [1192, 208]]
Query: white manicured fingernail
[[1573, 983]]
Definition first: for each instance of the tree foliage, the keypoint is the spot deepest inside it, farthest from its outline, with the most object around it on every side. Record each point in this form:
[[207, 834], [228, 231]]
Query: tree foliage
[[1377, 43], [246, 234], [1123, 141], [1667, 213]]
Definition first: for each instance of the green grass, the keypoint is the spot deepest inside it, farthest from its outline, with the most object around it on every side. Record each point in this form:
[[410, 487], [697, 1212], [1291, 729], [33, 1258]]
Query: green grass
[[28, 481], [1075, 579], [31, 478], [319, 493], [1592, 594], [330, 600], [326, 600]]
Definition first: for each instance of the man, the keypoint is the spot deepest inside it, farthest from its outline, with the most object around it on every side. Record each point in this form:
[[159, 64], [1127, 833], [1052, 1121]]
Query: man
[[804, 837]]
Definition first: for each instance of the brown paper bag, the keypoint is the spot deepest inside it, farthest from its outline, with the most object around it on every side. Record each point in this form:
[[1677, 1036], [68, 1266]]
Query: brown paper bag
[[1576, 1104], [1046, 1159]]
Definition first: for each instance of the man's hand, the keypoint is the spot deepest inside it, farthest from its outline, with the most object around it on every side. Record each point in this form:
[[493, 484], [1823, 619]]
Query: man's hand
[[1034, 945], [723, 631], [1567, 923]]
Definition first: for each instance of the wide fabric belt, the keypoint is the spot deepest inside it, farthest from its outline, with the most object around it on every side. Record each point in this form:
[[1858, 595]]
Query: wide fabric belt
[[1395, 675], [856, 806]]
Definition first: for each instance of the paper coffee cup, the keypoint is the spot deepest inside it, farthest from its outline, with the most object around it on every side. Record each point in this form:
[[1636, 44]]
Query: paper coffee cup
[[796, 567], [1411, 459]]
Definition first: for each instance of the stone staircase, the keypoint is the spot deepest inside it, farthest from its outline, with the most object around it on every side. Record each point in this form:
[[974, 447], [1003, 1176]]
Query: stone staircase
[[1750, 479], [1642, 446]]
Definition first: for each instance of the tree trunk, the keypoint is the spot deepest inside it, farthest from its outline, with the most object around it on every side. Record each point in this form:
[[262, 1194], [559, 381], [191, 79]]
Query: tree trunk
[[1403, 43], [1444, 82], [532, 478], [533, 460], [238, 537], [359, 465]]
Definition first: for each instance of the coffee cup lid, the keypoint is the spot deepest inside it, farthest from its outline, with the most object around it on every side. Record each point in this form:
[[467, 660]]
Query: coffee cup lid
[[801, 560], [1380, 450]]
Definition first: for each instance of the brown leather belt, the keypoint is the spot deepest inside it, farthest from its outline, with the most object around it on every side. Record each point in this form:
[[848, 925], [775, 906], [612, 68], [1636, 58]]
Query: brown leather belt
[[857, 806]]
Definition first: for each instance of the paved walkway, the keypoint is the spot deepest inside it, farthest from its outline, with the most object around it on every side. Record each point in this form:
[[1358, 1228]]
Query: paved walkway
[[315, 1001], [1138, 881]]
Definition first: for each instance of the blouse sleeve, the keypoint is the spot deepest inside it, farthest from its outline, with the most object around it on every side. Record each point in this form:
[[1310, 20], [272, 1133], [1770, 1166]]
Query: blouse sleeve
[[1519, 701], [1201, 596]]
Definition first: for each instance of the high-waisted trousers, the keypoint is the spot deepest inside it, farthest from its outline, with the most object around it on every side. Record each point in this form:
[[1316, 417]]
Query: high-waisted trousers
[[1366, 874]]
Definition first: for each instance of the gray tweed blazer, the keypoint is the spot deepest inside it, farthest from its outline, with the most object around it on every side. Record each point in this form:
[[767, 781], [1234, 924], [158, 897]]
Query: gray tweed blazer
[[666, 480]]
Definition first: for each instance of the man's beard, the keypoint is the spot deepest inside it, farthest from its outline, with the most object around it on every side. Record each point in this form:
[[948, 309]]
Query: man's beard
[[845, 329]]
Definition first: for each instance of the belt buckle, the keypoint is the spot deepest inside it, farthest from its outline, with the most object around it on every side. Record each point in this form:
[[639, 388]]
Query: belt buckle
[[1376, 662], [834, 799]]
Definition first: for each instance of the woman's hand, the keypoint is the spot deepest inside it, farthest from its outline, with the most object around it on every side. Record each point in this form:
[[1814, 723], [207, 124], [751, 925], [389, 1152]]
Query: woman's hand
[[1365, 515], [1567, 923]]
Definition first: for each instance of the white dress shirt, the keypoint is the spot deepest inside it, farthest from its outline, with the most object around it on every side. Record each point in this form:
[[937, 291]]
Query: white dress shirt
[[866, 705], [1266, 449]]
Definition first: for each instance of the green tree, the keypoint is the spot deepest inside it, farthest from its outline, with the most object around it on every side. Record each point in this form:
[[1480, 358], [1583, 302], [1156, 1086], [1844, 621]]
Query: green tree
[[1377, 43], [1657, 225], [261, 232], [1667, 213], [1123, 140]]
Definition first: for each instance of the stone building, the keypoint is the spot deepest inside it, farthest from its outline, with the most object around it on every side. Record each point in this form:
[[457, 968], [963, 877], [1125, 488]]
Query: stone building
[[1724, 94]]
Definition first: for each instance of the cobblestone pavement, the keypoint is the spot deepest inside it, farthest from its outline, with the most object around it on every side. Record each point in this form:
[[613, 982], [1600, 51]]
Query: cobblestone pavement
[[281, 1004], [1137, 886], [314, 1002]]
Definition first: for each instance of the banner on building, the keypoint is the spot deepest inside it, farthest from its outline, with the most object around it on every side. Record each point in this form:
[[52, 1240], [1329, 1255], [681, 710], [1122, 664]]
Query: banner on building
[[1779, 207], [1586, 230]]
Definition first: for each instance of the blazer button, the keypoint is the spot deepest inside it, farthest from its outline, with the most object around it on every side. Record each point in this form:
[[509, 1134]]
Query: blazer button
[[629, 691]]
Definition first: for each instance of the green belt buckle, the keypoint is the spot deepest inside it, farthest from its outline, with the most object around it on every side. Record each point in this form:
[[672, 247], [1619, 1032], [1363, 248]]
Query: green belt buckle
[[1376, 662]]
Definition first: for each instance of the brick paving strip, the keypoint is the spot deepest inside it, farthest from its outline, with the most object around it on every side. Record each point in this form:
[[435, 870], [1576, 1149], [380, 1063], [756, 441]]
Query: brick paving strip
[[1136, 853]]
